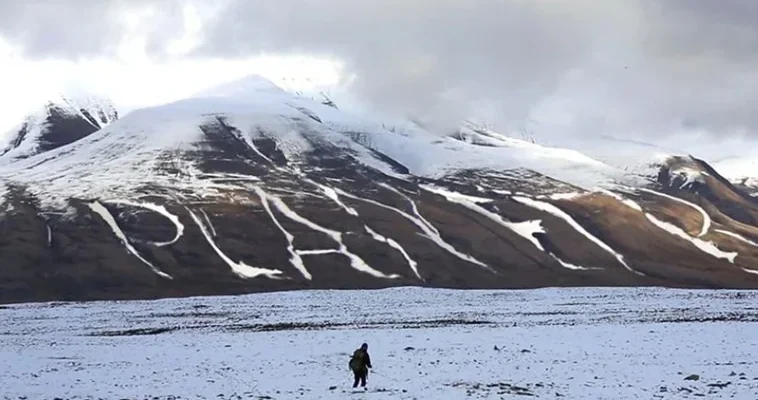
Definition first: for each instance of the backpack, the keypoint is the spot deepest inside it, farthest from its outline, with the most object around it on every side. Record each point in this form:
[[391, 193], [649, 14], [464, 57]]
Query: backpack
[[357, 361]]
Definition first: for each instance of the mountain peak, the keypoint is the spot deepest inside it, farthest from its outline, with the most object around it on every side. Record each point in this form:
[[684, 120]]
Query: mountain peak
[[62, 119], [242, 87], [98, 110]]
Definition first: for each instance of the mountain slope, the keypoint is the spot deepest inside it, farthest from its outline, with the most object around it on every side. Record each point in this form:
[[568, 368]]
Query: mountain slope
[[250, 188], [61, 121]]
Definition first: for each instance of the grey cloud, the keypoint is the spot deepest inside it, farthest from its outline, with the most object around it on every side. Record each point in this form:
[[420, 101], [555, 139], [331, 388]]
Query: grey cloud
[[619, 66], [623, 67], [426, 55], [702, 27], [80, 28]]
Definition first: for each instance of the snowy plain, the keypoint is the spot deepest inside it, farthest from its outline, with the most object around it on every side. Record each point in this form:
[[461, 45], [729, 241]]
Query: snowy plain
[[424, 343]]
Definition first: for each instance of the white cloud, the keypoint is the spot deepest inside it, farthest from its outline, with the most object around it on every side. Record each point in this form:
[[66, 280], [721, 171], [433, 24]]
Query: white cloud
[[136, 81]]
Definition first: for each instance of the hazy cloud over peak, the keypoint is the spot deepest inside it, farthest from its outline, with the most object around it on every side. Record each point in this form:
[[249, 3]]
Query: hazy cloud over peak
[[623, 67], [73, 29], [426, 55]]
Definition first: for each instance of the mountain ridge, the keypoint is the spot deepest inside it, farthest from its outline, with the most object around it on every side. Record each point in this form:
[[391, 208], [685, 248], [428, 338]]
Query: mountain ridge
[[62, 120], [256, 189]]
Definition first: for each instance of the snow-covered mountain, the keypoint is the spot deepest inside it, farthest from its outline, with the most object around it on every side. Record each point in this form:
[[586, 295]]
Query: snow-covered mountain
[[60, 121], [248, 187]]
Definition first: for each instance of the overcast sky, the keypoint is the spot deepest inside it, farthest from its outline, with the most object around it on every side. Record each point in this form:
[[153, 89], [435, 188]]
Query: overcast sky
[[633, 68]]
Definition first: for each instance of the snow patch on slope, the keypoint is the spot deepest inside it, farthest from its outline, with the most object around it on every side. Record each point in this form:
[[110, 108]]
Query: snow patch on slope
[[627, 202], [568, 265], [742, 239], [239, 268], [525, 229], [429, 231], [551, 209], [392, 243], [103, 212], [355, 261], [689, 175], [737, 236], [332, 194], [295, 258], [565, 196], [162, 211], [414, 208], [706, 218], [208, 221], [707, 247]]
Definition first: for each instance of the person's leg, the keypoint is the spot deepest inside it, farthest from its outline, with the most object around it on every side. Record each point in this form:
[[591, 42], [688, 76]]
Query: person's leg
[[357, 377], [363, 378]]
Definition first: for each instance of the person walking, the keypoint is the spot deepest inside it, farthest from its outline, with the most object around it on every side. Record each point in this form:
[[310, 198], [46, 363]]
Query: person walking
[[360, 363]]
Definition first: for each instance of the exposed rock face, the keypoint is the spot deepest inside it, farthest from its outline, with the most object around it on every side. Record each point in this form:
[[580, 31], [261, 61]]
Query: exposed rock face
[[200, 199], [57, 124]]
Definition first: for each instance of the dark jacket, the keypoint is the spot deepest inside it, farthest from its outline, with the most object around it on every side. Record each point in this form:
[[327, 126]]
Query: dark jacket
[[361, 361]]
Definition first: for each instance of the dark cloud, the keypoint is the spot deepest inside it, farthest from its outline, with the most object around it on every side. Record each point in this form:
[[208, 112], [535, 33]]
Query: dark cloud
[[625, 67]]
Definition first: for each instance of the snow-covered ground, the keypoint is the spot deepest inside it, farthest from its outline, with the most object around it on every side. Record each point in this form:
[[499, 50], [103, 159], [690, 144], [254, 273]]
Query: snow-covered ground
[[424, 343]]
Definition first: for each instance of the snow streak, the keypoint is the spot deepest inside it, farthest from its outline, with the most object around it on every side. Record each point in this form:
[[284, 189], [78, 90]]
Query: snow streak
[[208, 221], [396, 245], [429, 231], [525, 229], [162, 211], [690, 176], [572, 266], [252, 146], [355, 261], [565, 196], [707, 247], [295, 258], [551, 209], [742, 239], [317, 252], [413, 207], [628, 202], [706, 217], [738, 237], [239, 268], [334, 196], [103, 212]]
